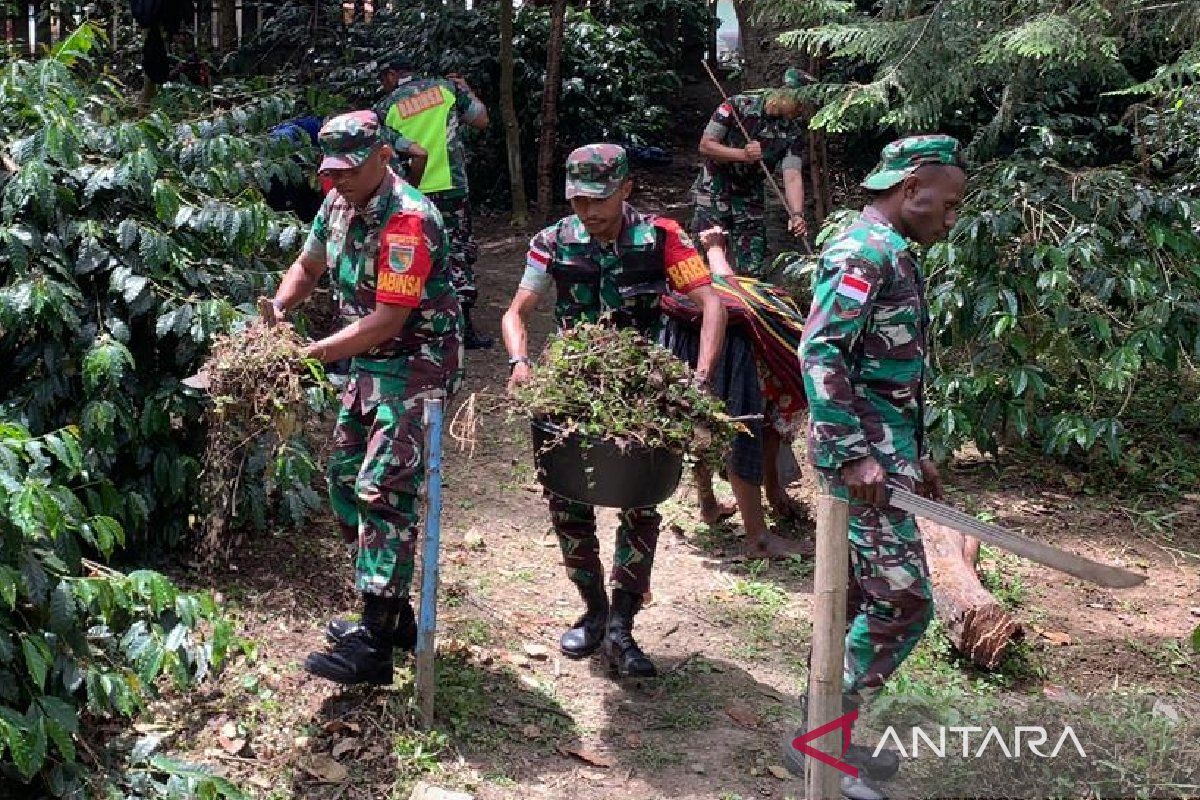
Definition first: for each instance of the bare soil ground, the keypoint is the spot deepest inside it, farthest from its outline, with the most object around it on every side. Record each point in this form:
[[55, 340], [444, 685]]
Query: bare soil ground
[[516, 720]]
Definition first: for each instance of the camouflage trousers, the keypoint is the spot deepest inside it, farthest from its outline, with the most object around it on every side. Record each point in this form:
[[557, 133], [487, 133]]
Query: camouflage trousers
[[744, 221], [637, 538], [377, 468], [456, 214], [889, 602]]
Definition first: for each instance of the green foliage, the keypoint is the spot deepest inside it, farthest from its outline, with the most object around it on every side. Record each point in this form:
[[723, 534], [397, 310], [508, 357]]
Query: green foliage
[[71, 641], [1059, 292], [1068, 289], [126, 244], [618, 65]]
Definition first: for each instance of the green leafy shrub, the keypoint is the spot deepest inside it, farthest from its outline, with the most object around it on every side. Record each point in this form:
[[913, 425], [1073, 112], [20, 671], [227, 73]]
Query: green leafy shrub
[[618, 66], [1067, 296], [78, 640], [126, 244]]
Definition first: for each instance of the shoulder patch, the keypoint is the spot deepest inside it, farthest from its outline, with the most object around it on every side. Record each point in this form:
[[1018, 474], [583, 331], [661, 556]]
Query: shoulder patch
[[854, 287]]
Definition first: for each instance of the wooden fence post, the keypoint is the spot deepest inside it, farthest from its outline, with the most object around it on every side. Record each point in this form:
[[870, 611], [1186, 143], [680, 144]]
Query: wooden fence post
[[822, 781]]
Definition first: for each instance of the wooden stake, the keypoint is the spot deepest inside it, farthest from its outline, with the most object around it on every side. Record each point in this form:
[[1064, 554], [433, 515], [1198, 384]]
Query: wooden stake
[[427, 618], [821, 781]]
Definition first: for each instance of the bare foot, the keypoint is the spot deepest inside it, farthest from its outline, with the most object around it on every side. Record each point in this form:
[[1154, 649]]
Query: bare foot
[[784, 506], [714, 511], [770, 545]]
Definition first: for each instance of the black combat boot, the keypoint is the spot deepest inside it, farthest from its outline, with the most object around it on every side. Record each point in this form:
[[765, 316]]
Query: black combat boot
[[364, 653], [403, 636], [587, 633], [871, 768], [622, 652], [473, 339]]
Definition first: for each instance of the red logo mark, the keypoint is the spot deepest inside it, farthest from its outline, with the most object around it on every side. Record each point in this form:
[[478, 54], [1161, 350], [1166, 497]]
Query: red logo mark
[[846, 723]]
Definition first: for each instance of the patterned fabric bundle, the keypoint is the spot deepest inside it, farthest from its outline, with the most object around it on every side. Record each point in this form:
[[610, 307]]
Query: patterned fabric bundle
[[775, 326]]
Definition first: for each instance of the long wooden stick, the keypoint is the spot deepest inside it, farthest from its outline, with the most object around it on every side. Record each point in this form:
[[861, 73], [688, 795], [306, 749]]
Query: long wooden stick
[[770, 178], [822, 781]]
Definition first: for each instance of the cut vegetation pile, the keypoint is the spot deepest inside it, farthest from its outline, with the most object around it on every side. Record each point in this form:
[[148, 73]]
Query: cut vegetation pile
[[614, 384], [256, 380]]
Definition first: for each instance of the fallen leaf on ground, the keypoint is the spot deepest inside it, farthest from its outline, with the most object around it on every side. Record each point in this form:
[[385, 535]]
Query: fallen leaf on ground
[[325, 769], [1056, 637], [587, 755], [743, 715], [538, 651], [779, 772], [231, 746]]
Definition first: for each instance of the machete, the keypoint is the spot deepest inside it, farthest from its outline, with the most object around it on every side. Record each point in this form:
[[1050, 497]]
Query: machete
[[1061, 560]]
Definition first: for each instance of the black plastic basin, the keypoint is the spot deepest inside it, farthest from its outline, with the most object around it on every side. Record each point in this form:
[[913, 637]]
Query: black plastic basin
[[598, 472]]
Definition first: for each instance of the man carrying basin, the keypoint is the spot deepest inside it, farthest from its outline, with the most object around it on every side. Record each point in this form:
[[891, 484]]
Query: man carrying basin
[[609, 261]]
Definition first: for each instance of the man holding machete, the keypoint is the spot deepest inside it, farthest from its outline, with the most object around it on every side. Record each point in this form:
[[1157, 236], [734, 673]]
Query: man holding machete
[[863, 354]]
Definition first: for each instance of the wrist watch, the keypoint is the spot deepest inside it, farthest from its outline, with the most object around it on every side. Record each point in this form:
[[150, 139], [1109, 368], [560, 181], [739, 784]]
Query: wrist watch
[[512, 362]]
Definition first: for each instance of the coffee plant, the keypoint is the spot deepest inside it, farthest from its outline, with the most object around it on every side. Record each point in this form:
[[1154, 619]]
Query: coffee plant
[[79, 641], [126, 243]]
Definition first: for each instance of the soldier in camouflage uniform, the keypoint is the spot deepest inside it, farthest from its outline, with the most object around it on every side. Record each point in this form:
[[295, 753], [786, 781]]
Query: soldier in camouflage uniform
[[730, 191], [385, 248], [864, 359], [431, 112], [609, 261]]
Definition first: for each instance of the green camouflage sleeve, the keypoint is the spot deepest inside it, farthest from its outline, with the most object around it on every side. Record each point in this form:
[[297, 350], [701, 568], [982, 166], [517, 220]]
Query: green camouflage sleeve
[[465, 105], [844, 291], [318, 234]]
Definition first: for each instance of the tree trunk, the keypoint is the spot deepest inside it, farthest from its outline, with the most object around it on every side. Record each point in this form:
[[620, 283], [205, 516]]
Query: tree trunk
[[748, 34], [714, 23], [818, 160], [548, 143], [512, 131], [227, 13], [978, 626]]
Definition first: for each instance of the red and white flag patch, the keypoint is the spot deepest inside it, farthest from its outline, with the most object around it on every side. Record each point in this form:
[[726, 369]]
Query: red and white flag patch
[[854, 287]]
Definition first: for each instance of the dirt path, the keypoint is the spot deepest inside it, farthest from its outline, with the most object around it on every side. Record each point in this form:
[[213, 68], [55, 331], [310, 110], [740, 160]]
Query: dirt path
[[518, 721]]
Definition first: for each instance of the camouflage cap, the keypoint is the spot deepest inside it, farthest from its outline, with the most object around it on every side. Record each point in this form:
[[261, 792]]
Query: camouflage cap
[[347, 139], [902, 157], [596, 170], [794, 78], [400, 63]]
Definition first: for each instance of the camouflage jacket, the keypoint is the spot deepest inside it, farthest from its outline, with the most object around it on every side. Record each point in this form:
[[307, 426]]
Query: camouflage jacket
[[430, 112], [394, 251], [625, 279], [782, 141], [864, 348]]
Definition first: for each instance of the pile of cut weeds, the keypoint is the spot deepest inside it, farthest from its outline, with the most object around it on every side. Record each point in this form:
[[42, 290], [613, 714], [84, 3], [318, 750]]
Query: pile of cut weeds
[[257, 381], [613, 384]]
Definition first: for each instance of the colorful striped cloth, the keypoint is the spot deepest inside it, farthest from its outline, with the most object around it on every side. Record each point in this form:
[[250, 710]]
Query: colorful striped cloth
[[775, 325]]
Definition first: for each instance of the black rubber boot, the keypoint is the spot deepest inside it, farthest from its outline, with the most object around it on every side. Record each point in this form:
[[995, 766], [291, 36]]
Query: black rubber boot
[[587, 633], [473, 339], [403, 635], [622, 652], [364, 653]]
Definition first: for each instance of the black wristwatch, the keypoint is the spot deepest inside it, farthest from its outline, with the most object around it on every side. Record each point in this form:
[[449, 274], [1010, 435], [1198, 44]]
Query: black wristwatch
[[512, 362]]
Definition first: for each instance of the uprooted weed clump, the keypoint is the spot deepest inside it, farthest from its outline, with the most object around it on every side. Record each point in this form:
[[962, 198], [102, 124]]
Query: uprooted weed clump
[[614, 384], [256, 380]]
